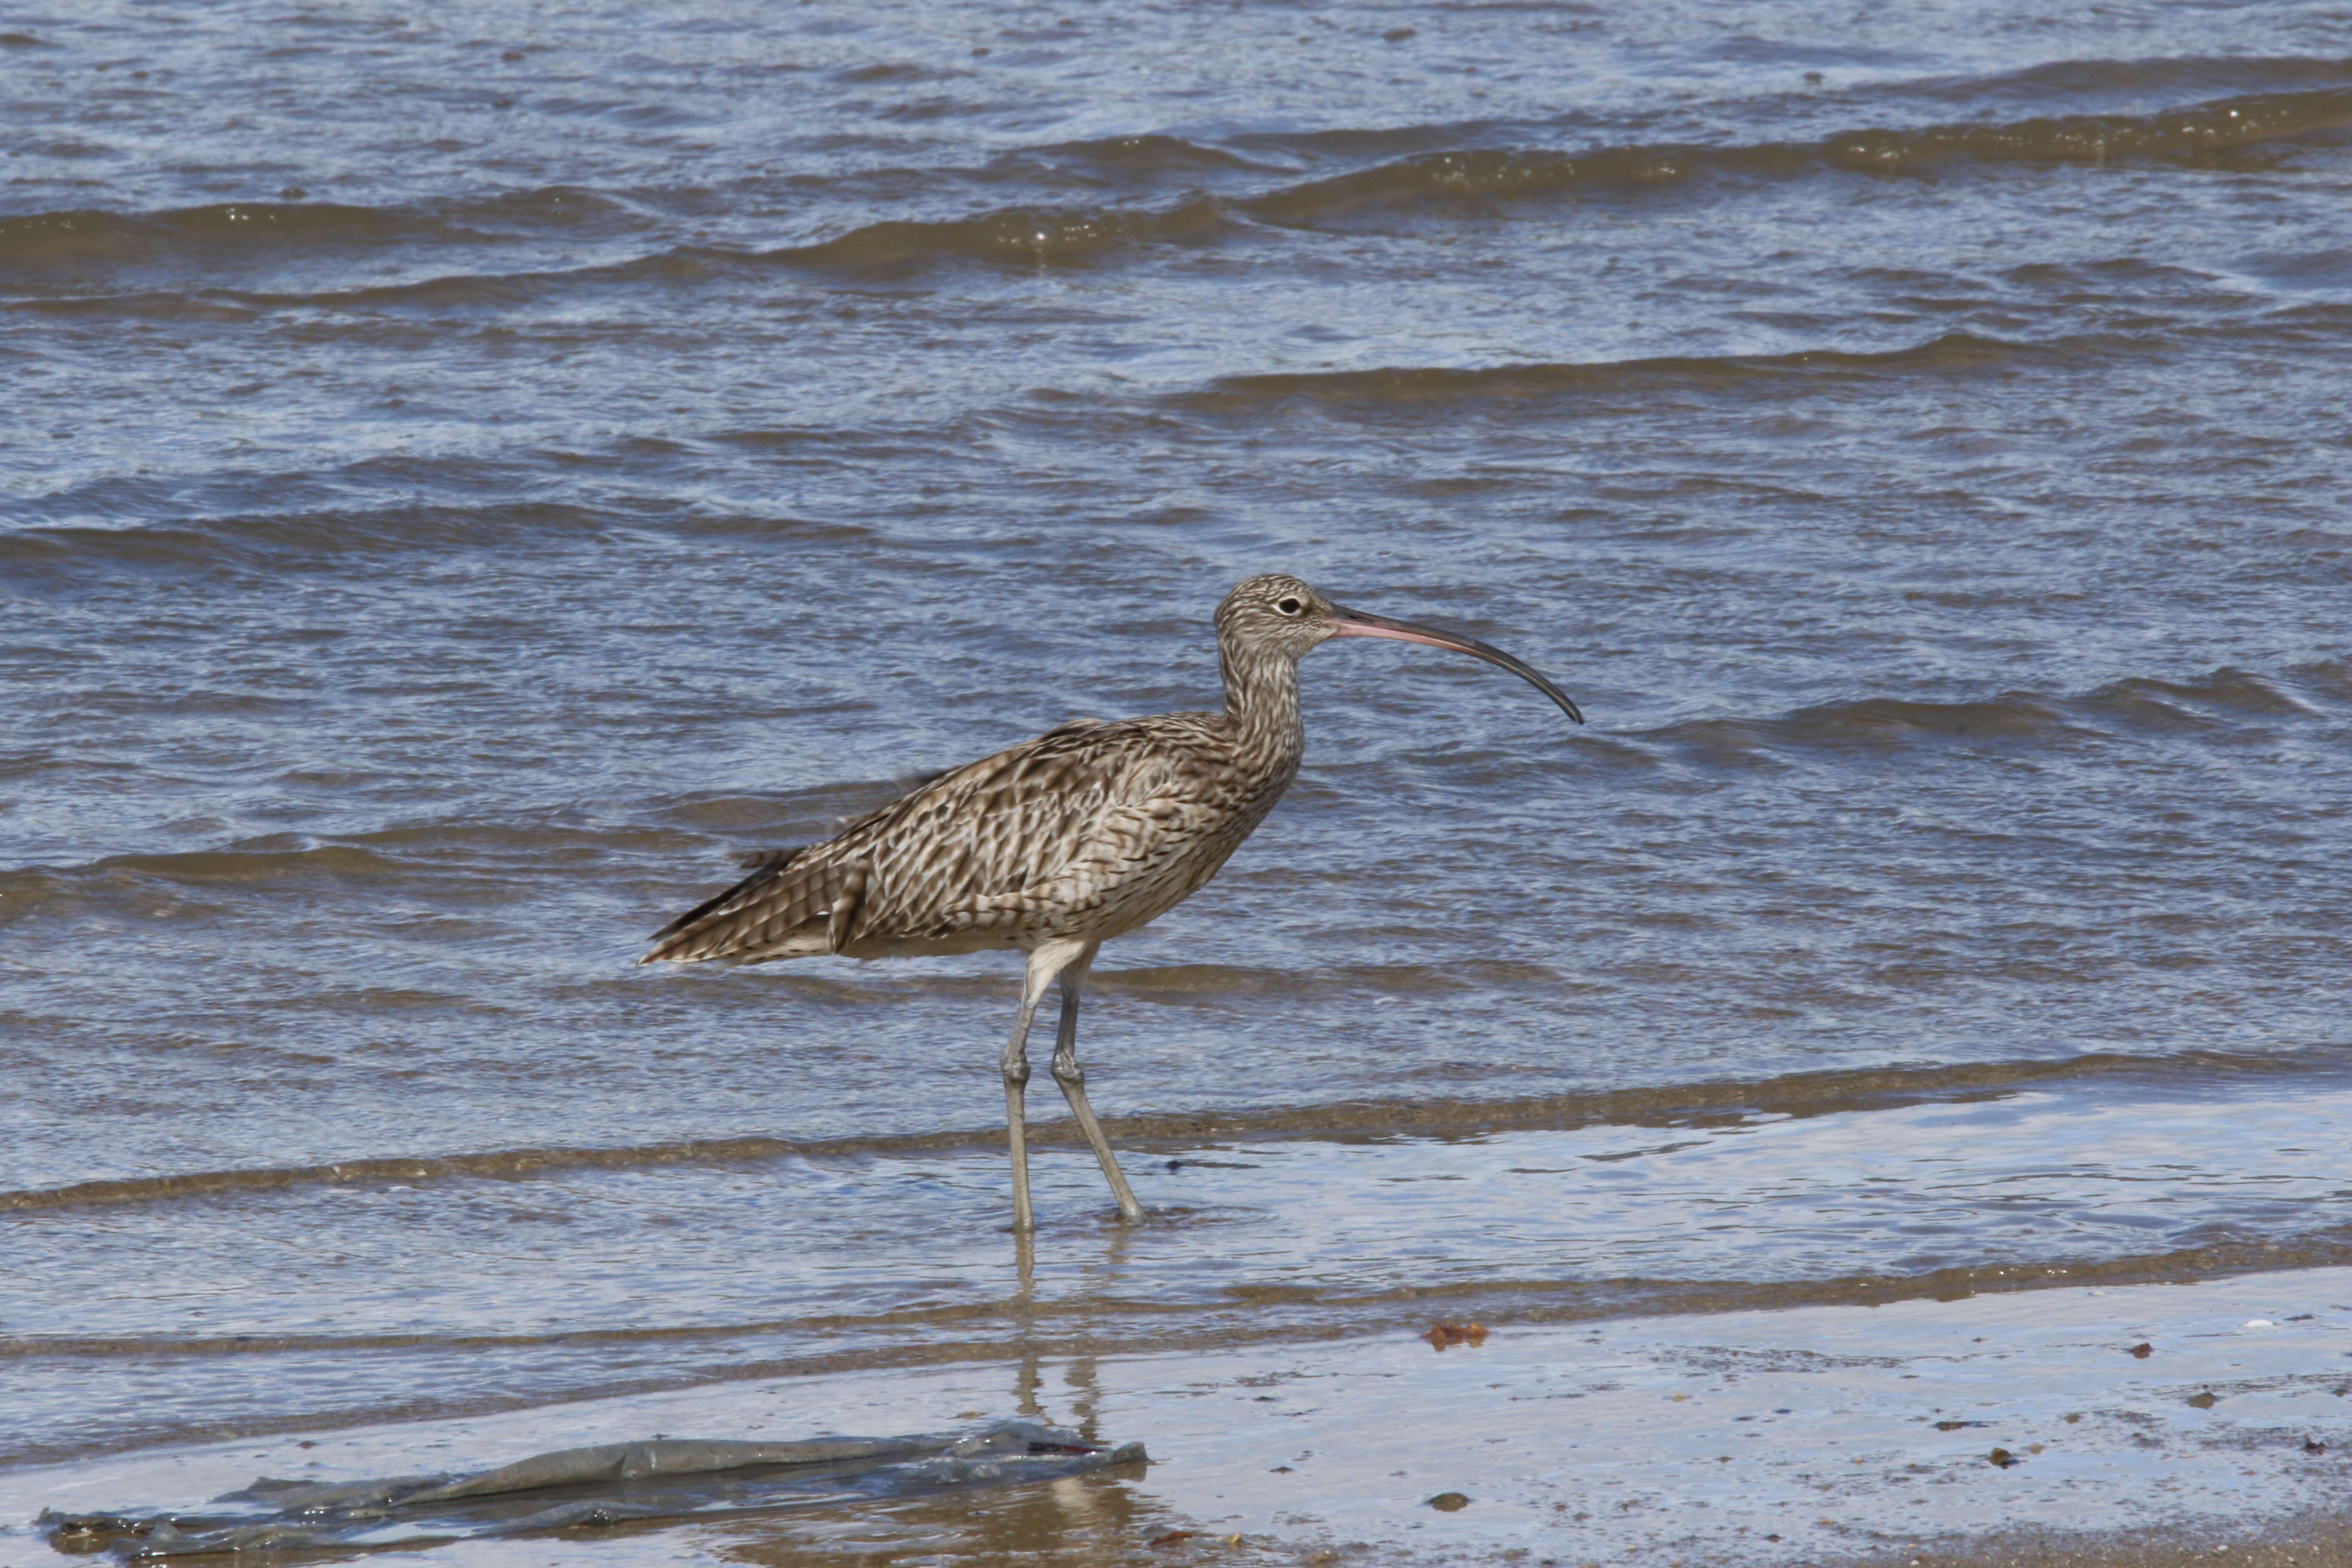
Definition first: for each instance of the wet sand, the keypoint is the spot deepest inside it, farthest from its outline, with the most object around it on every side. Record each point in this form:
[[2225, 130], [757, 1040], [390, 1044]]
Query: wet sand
[[2009, 1429], [2298, 1544]]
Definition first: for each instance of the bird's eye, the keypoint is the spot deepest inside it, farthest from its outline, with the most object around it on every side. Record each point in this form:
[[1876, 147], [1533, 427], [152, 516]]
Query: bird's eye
[[1289, 606]]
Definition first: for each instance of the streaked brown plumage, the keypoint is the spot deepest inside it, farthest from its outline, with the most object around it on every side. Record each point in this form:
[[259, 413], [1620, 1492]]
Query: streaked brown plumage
[[1057, 845]]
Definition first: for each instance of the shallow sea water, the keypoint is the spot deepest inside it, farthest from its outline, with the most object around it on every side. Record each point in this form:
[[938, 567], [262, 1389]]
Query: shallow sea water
[[465, 478]]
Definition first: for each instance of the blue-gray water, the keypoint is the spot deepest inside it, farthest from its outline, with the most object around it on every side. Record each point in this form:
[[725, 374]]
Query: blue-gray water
[[465, 478]]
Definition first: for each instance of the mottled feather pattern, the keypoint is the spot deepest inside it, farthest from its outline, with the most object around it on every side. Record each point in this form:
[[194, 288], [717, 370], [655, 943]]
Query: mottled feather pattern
[[1092, 827]]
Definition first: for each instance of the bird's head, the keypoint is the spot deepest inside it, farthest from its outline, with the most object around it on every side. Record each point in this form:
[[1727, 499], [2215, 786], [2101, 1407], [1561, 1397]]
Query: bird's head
[[1279, 614]]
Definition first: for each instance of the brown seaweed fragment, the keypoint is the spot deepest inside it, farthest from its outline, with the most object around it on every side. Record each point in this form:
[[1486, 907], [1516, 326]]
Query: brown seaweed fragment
[[1441, 1335]]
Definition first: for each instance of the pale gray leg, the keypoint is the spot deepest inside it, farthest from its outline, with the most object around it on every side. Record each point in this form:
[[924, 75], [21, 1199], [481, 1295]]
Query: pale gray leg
[[1015, 1063], [1073, 1080], [1044, 962]]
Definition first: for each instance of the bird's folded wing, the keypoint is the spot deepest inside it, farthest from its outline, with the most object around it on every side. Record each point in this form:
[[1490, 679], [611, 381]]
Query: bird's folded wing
[[1040, 834], [1120, 852]]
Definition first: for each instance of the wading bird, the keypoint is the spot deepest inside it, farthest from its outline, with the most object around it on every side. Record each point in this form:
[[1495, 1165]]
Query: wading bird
[[1058, 844]]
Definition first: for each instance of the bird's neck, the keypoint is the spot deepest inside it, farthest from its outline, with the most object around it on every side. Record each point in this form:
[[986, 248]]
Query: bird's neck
[[1261, 708]]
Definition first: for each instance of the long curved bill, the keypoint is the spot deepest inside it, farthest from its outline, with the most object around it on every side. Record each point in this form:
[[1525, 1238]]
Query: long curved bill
[[1347, 623]]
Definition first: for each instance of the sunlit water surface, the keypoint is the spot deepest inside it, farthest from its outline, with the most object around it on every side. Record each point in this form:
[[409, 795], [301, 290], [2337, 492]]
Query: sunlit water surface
[[463, 480]]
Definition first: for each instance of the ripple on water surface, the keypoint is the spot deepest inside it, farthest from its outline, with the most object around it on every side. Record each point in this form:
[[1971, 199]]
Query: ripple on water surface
[[466, 484]]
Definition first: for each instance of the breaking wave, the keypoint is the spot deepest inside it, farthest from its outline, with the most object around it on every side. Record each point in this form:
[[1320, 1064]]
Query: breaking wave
[[1506, 174], [38, 245], [1951, 353]]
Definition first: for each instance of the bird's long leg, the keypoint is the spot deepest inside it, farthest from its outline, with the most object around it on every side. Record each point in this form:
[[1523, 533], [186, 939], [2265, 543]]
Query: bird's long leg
[[1044, 962], [1016, 1080], [1073, 1080]]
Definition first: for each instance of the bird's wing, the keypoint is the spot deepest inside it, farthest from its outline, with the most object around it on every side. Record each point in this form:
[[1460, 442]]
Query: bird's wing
[[1044, 836], [1051, 823]]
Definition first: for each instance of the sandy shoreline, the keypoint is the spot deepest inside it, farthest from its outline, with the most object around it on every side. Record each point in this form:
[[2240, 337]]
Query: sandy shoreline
[[2010, 1429]]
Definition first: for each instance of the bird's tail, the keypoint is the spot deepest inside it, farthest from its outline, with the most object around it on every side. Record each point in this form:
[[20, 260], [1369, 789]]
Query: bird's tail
[[784, 895]]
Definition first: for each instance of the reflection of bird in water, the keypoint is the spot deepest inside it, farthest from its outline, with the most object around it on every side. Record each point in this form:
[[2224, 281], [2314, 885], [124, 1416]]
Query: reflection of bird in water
[[1085, 832]]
